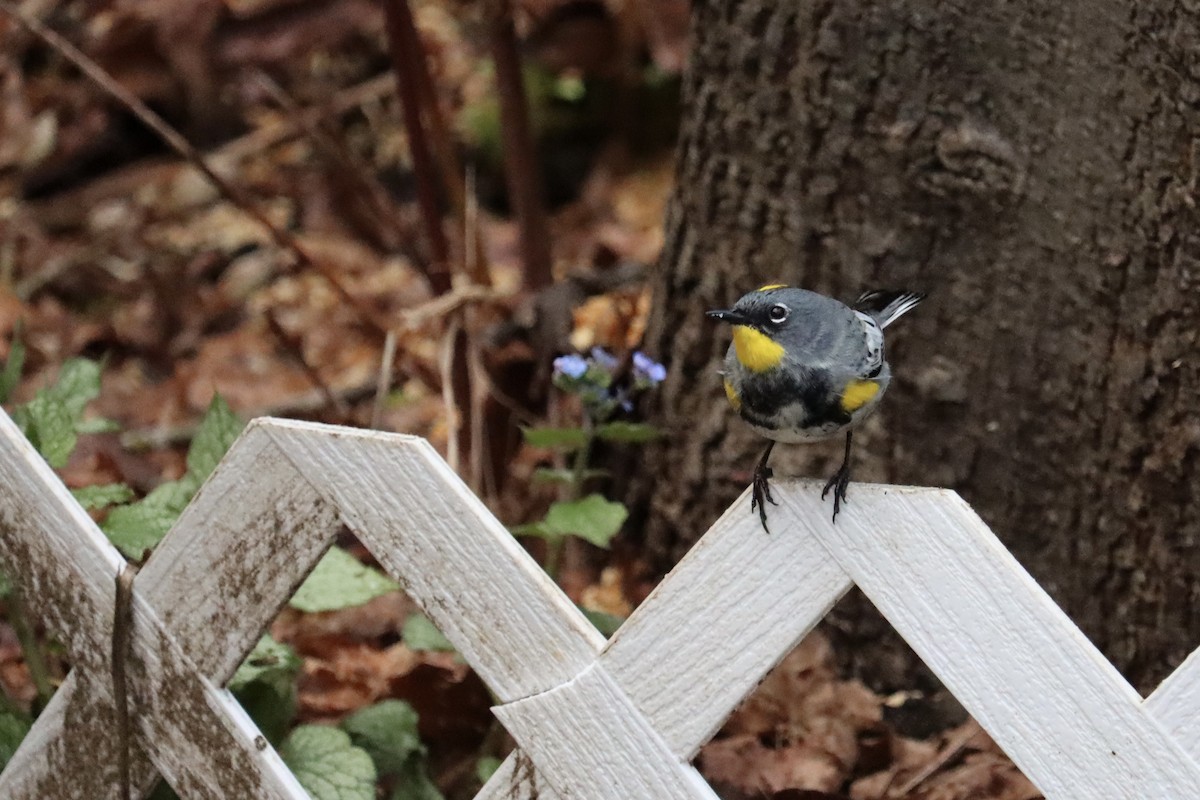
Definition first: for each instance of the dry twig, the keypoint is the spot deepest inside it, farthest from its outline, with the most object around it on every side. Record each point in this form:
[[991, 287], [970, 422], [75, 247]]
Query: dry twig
[[173, 139], [948, 752], [406, 54], [295, 349], [384, 384], [520, 161], [382, 211]]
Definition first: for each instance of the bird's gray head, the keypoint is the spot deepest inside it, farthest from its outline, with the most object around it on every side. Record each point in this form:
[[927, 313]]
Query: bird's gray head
[[771, 310], [772, 322]]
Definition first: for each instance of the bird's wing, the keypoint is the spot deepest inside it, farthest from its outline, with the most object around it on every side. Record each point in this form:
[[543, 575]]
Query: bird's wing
[[873, 351]]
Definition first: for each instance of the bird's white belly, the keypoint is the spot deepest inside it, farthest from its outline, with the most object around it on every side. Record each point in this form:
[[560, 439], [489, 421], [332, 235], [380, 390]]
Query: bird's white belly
[[792, 424]]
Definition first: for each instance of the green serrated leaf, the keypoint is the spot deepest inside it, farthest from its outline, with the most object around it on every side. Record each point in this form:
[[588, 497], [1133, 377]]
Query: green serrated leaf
[[388, 732], [592, 518], [328, 765], [77, 385], [265, 686], [11, 375], [50, 427], [217, 432], [101, 495], [270, 662], [419, 633], [13, 728], [139, 527], [544, 475], [412, 783], [560, 438], [173, 496], [606, 623], [628, 432], [340, 581]]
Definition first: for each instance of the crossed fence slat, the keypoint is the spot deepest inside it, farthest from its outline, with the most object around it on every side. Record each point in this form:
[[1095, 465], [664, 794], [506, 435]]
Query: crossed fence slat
[[594, 720]]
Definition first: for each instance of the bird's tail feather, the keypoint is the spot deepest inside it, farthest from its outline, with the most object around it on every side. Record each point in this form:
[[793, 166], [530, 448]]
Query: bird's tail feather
[[887, 307]]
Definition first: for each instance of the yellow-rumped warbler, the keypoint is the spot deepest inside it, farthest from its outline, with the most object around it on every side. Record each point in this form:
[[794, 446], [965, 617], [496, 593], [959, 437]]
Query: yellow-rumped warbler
[[804, 367]]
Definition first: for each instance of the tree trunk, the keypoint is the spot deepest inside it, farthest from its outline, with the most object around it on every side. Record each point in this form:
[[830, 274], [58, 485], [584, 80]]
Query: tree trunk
[[1033, 166]]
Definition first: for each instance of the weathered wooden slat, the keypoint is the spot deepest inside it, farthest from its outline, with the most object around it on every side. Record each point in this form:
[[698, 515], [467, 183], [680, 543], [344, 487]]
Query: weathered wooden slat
[[1059, 709], [474, 580], [182, 720], [732, 608], [729, 611], [49, 545], [55, 766], [596, 720], [1175, 704], [589, 742], [237, 553]]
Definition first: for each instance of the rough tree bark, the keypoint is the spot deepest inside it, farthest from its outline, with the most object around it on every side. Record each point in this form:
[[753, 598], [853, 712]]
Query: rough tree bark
[[1033, 165]]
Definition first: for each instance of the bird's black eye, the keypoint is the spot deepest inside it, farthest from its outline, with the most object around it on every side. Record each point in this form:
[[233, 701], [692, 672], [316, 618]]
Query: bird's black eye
[[778, 313]]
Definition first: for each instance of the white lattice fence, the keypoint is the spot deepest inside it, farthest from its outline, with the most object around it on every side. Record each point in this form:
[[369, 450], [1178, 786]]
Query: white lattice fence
[[616, 720]]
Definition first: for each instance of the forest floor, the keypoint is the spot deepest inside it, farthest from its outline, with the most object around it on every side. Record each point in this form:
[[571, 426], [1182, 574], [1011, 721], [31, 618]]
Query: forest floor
[[326, 307]]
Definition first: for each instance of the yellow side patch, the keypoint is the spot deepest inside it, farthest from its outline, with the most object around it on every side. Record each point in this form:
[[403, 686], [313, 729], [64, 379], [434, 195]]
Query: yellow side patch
[[857, 394], [770, 286], [757, 351], [732, 394]]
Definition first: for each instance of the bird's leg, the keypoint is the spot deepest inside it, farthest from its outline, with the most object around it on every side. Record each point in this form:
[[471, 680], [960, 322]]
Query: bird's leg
[[761, 493], [840, 480]]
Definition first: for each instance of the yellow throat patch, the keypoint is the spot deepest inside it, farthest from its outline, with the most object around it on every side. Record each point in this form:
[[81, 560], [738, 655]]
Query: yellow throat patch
[[857, 394], [755, 350]]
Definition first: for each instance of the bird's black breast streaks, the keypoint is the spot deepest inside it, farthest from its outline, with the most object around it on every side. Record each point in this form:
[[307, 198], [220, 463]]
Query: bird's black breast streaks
[[774, 390]]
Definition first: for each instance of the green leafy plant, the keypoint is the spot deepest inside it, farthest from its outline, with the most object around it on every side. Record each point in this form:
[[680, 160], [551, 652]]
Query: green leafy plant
[[605, 388], [340, 581], [345, 763], [135, 528], [332, 763]]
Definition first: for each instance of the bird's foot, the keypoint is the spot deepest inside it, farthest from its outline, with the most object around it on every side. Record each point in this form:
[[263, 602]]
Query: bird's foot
[[839, 482], [760, 495]]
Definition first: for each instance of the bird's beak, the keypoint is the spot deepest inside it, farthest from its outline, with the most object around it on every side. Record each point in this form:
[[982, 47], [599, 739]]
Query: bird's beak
[[732, 317]]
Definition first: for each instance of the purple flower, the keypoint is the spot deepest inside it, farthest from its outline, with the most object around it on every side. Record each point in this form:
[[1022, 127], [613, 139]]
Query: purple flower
[[648, 369], [604, 359], [572, 366]]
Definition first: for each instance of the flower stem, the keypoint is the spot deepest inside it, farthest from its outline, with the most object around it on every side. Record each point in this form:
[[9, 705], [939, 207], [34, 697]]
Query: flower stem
[[556, 545]]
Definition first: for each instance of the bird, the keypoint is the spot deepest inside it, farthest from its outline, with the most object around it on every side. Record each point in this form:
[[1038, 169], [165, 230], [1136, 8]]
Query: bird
[[803, 367]]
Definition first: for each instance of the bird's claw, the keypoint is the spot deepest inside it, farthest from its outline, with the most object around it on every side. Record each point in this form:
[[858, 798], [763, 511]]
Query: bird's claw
[[760, 494], [839, 482]]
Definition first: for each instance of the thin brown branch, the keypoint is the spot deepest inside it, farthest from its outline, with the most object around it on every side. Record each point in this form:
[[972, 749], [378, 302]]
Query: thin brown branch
[[948, 752], [384, 383], [382, 211], [279, 131], [406, 54], [448, 364], [295, 349], [474, 253], [173, 139], [443, 306], [447, 159], [521, 170]]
